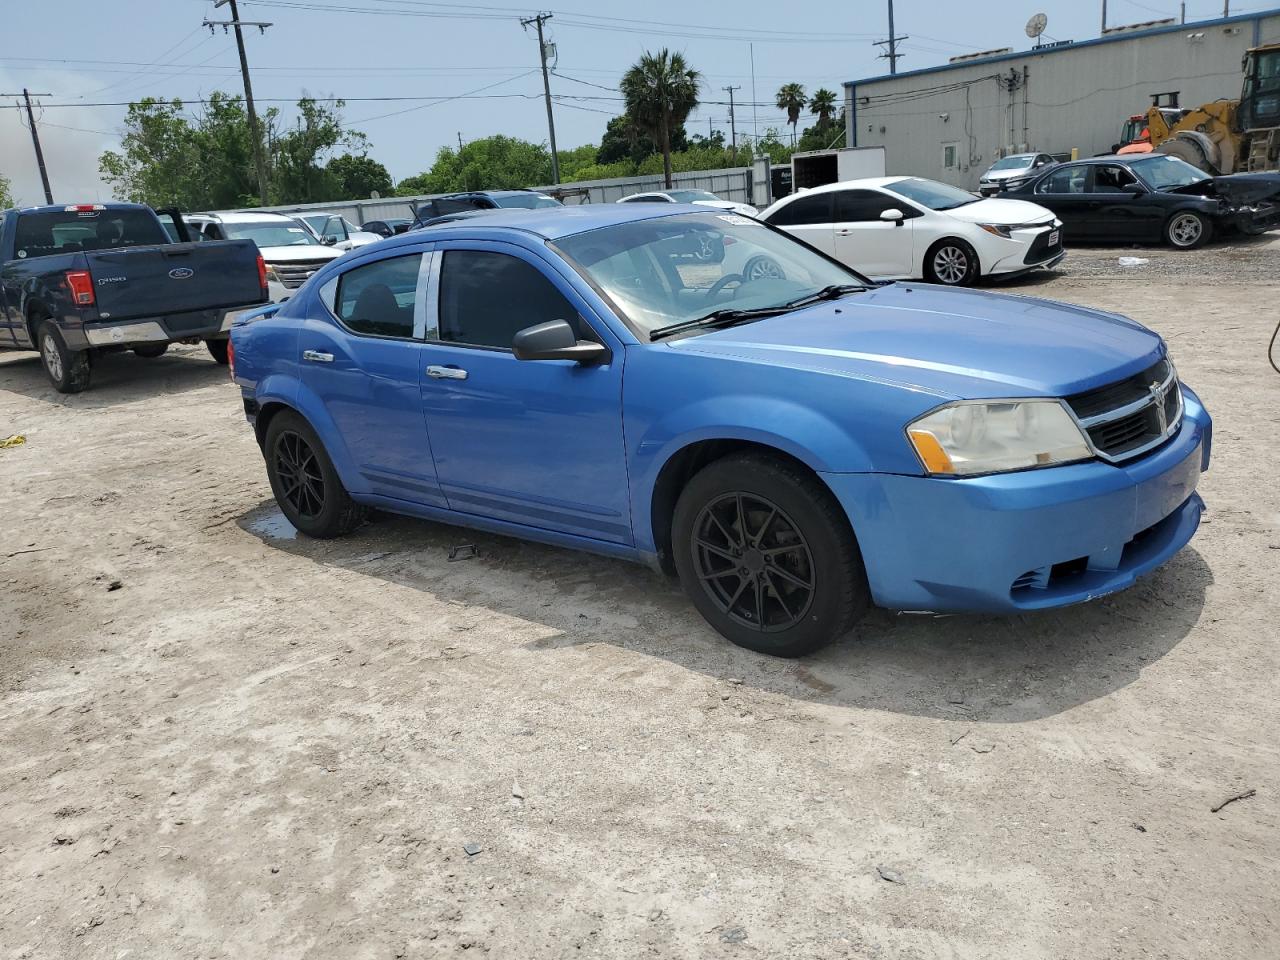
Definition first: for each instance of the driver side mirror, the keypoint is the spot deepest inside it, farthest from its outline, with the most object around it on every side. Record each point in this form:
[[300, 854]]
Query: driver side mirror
[[1134, 189], [893, 215], [328, 240], [555, 340]]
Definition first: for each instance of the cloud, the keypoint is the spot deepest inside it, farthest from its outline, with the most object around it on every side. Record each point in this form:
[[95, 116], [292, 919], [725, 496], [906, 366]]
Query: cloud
[[72, 139]]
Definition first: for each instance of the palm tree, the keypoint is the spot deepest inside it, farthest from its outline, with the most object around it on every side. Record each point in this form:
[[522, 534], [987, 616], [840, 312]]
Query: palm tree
[[791, 98], [823, 103], [661, 91]]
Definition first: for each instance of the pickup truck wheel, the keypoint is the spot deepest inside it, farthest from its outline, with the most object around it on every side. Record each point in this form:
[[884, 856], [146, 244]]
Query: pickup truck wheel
[[767, 556], [218, 350], [67, 369], [305, 484], [151, 351]]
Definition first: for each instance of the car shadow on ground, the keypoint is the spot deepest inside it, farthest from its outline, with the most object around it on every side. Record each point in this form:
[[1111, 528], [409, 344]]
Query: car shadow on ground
[[116, 378], [980, 668]]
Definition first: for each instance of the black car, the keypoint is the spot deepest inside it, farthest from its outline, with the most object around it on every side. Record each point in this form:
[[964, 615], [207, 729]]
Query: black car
[[483, 200], [387, 228], [1153, 197]]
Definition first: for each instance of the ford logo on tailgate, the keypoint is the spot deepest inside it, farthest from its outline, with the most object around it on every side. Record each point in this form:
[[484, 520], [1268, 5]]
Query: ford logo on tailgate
[[182, 273]]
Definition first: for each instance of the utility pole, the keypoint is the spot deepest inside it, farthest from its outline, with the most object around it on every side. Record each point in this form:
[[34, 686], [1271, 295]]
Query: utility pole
[[1104, 16], [459, 141], [892, 54], [540, 19], [35, 141], [259, 159], [733, 128]]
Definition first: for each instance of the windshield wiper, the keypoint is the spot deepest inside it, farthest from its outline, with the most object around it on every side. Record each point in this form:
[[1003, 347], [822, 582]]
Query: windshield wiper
[[724, 317], [832, 292]]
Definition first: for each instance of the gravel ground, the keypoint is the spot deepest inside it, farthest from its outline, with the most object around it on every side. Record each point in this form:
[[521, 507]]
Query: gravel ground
[[221, 741]]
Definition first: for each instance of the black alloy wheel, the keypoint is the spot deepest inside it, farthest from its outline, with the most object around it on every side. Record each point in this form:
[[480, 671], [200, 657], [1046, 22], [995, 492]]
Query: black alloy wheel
[[301, 479], [306, 485], [753, 562]]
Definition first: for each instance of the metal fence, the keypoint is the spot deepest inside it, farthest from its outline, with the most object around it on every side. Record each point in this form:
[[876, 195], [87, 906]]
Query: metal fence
[[732, 184]]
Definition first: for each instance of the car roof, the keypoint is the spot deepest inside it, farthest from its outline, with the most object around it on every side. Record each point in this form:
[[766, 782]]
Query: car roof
[[553, 223], [851, 185], [255, 217], [108, 205]]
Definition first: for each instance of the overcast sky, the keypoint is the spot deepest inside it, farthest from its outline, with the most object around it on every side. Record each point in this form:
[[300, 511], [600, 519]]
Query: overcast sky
[[105, 51]]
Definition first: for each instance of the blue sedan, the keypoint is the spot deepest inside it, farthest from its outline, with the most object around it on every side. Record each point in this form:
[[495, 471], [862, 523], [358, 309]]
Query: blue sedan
[[698, 391]]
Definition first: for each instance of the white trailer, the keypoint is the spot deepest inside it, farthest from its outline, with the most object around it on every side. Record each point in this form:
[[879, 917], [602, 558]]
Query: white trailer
[[817, 167]]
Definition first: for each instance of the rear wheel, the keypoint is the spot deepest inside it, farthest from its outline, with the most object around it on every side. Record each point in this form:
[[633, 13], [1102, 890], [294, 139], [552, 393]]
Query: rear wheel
[[218, 350], [1187, 230], [304, 481], [763, 268], [767, 556], [68, 370], [952, 263], [151, 350]]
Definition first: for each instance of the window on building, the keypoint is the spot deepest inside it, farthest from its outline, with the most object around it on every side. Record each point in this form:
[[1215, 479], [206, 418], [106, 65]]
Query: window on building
[[950, 156]]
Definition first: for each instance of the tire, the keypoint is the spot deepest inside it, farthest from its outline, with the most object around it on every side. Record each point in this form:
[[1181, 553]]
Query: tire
[[306, 486], [68, 370], [762, 268], [952, 263], [218, 350], [1186, 230], [151, 350], [808, 592]]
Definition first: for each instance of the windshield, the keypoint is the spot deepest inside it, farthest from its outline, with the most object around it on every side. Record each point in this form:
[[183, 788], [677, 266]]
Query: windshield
[[688, 196], [527, 201], [267, 233], [675, 269], [1013, 163], [1165, 172], [41, 234], [931, 194]]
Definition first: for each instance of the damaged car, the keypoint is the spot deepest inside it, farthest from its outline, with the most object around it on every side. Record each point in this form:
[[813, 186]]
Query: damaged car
[[1154, 198]]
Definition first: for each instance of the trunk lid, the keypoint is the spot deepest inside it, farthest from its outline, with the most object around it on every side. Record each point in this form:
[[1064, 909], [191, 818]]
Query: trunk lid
[[134, 282]]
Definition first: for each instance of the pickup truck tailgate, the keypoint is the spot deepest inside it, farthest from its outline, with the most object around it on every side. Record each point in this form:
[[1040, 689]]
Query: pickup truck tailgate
[[175, 278]]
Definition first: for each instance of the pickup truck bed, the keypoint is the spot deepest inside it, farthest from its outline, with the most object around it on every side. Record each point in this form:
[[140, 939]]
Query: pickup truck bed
[[81, 279]]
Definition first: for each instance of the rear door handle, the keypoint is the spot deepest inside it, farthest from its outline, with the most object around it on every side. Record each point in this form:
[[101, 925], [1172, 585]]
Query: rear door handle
[[317, 356], [446, 373]]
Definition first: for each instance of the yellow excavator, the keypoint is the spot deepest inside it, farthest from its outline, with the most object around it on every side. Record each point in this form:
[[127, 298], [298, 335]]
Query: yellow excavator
[[1229, 136]]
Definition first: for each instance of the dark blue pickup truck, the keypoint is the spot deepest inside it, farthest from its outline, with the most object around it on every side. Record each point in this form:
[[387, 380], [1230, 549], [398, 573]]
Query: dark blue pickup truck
[[79, 280]]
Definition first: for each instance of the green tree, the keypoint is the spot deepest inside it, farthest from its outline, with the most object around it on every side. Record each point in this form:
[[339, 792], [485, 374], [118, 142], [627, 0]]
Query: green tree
[[357, 177], [298, 157], [159, 155], [791, 98], [493, 163], [222, 138], [579, 158], [623, 140], [661, 90], [822, 104], [6, 193]]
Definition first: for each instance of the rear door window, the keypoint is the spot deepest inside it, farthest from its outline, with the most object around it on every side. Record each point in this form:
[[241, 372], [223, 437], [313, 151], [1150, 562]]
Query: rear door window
[[381, 299], [1065, 180], [815, 208]]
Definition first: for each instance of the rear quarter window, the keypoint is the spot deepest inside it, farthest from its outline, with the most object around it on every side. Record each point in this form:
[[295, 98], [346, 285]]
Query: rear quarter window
[[52, 232]]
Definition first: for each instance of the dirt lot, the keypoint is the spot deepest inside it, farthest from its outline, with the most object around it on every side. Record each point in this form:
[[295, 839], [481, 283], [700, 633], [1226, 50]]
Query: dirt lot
[[218, 741]]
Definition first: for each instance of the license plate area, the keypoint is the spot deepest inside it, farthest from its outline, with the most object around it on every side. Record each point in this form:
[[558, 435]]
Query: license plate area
[[1053, 238]]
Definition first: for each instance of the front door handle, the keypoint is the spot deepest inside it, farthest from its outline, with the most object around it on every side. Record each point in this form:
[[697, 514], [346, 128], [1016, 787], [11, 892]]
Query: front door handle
[[446, 373], [316, 356]]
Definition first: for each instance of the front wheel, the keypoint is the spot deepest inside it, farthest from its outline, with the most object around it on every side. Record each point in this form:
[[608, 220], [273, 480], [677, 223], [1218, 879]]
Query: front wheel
[[68, 370], [761, 267], [767, 556], [1187, 230], [304, 481], [952, 263]]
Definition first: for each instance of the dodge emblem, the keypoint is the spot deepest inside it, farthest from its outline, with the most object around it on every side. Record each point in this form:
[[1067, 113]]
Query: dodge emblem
[[182, 273]]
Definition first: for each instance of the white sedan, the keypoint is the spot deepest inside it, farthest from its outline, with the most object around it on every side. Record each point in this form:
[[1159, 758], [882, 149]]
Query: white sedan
[[700, 198], [897, 228]]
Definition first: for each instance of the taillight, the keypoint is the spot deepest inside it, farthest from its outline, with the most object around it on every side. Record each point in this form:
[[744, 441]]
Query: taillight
[[81, 284], [231, 352], [262, 272]]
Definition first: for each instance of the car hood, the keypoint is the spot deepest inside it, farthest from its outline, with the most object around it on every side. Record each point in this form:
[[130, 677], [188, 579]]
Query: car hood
[[1002, 211], [743, 208], [1237, 188], [995, 176], [298, 251], [952, 343]]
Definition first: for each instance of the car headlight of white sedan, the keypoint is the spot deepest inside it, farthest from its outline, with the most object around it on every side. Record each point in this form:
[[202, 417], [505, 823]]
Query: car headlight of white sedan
[[995, 436]]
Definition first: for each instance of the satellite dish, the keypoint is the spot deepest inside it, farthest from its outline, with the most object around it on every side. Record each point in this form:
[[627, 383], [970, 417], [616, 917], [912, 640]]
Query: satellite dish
[[1036, 25]]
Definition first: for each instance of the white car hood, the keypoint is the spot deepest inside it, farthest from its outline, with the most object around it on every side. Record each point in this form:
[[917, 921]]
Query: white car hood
[[1001, 211], [995, 176], [298, 251], [363, 238], [743, 208]]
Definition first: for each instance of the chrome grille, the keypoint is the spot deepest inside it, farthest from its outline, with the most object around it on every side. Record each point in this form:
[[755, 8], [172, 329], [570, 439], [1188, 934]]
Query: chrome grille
[[295, 273], [1129, 417]]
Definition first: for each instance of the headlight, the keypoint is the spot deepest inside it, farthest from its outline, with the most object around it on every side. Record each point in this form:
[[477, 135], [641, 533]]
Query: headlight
[[999, 229], [995, 436]]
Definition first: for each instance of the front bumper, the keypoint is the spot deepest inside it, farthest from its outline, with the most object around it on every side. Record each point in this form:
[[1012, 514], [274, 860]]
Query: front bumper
[[1032, 539], [1028, 249]]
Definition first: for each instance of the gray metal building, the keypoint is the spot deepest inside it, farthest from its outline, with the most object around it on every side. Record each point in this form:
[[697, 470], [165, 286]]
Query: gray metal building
[[950, 122]]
